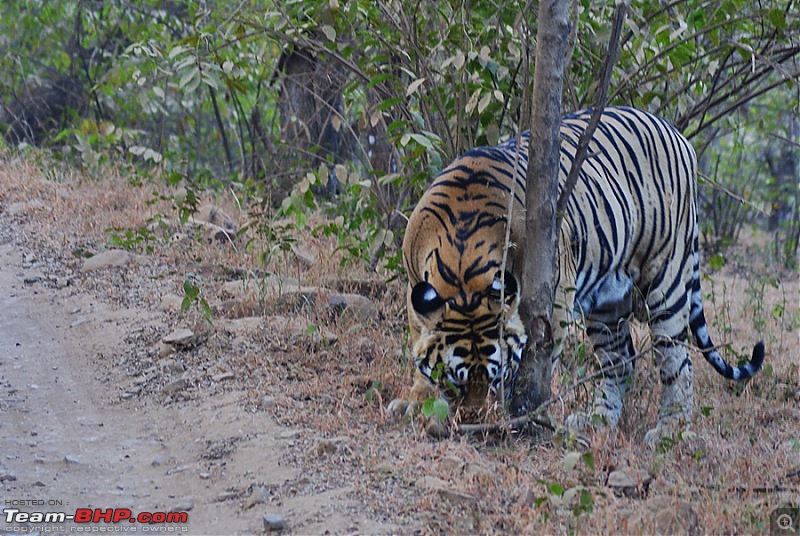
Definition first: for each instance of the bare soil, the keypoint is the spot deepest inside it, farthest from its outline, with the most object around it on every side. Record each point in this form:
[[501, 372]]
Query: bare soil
[[276, 406]]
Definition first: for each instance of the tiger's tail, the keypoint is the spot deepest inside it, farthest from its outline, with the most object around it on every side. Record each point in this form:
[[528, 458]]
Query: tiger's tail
[[697, 323]]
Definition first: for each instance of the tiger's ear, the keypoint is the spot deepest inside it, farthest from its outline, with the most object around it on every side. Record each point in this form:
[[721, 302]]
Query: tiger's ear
[[425, 299], [512, 287]]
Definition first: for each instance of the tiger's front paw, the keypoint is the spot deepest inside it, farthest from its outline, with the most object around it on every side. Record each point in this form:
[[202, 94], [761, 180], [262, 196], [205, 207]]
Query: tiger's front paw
[[667, 433], [420, 391], [399, 408]]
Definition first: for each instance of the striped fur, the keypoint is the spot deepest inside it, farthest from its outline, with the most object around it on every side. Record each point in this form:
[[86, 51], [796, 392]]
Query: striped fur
[[628, 247]]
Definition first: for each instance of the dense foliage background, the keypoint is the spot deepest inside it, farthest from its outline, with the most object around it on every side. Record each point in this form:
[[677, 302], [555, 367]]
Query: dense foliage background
[[351, 106]]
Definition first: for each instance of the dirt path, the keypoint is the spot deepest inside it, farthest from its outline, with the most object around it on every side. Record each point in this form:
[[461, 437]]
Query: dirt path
[[67, 442]]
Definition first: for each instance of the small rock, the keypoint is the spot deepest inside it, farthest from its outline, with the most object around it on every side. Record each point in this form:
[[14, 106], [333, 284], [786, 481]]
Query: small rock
[[185, 504], [71, 460], [107, 259], [164, 350], [358, 307], [171, 302], [204, 476], [31, 279], [273, 522], [226, 496], [6, 475], [157, 461], [260, 495], [629, 482], [665, 515], [62, 282], [267, 402], [181, 337]]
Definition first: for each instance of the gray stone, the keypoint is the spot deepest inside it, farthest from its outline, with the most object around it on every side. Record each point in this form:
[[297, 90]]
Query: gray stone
[[629, 482], [226, 496], [181, 337], [110, 258], [171, 302], [273, 522], [184, 504], [6, 475], [355, 306]]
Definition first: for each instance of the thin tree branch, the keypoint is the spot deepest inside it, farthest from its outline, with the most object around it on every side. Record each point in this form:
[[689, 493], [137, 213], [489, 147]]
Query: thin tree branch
[[600, 102]]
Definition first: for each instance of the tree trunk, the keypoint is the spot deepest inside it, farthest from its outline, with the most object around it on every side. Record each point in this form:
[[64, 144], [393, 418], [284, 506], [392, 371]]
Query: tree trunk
[[539, 247]]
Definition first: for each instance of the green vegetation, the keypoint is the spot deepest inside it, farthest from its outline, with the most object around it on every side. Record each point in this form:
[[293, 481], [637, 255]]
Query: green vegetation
[[289, 103]]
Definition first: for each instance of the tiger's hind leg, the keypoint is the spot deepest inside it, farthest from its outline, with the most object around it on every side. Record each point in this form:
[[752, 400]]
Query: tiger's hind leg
[[669, 327], [614, 352], [677, 395]]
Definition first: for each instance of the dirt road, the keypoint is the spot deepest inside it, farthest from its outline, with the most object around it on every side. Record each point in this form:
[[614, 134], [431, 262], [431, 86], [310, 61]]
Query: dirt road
[[68, 442]]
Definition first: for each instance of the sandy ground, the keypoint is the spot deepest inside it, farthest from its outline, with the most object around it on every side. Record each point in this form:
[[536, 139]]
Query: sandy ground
[[65, 442]]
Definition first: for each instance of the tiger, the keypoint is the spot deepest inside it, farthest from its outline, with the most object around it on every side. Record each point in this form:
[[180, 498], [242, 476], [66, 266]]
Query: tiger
[[627, 248]]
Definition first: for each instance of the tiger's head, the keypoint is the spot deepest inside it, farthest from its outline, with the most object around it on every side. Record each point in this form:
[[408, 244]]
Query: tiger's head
[[467, 338]]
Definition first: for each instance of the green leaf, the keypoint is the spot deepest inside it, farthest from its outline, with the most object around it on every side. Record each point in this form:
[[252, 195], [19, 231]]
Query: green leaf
[[778, 19], [441, 408], [586, 502], [556, 489], [427, 407], [330, 32], [191, 291], [716, 262]]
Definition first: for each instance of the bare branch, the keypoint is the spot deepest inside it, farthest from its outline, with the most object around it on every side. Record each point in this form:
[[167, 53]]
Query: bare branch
[[600, 102]]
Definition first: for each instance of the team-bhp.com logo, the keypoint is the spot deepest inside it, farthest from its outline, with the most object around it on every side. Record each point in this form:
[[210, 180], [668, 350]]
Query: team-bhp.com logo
[[94, 516]]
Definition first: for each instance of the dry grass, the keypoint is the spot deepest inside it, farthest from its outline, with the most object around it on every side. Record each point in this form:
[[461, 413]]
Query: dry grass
[[747, 438]]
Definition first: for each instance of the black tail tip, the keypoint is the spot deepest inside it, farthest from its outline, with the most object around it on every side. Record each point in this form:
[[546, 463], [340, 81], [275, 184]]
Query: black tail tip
[[758, 356]]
